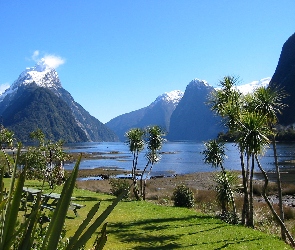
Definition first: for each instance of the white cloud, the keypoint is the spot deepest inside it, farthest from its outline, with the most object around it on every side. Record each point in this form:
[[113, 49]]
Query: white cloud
[[3, 87], [51, 60], [35, 55]]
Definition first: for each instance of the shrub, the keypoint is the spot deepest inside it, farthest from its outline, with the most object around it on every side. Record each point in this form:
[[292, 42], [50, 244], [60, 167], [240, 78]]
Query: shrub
[[271, 188], [118, 186], [288, 188], [289, 213], [225, 181], [183, 197], [229, 217]]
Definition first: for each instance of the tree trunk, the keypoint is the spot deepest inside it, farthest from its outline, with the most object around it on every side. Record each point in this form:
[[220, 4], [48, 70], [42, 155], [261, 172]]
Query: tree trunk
[[133, 174], [280, 195], [282, 224], [245, 190], [246, 195], [251, 206]]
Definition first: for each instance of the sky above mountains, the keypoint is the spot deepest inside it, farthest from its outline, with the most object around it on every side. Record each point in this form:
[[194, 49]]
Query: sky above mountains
[[118, 56]]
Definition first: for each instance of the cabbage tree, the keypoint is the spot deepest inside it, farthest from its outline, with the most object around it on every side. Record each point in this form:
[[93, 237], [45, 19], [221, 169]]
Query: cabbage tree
[[214, 154]]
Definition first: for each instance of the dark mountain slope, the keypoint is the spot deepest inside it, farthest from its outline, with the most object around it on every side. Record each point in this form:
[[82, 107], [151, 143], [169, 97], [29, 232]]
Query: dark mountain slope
[[123, 123], [40, 108], [284, 76], [192, 119]]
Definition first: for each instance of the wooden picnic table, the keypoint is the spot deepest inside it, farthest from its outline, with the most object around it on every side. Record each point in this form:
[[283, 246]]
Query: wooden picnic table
[[30, 190], [31, 193], [50, 200]]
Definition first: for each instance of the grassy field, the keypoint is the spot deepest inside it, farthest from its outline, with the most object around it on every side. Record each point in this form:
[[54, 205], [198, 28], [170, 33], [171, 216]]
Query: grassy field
[[144, 225]]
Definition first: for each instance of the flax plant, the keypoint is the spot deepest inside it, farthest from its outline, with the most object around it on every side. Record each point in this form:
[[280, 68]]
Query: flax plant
[[16, 234]]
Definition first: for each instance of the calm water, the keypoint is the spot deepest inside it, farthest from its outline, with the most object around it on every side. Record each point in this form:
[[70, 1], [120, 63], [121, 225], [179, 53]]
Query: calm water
[[177, 157]]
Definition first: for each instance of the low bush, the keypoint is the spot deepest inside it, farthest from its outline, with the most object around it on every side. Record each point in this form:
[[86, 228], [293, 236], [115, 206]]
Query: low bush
[[183, 196], [271, 188], [289, 213], [288, 189], [118, 186]]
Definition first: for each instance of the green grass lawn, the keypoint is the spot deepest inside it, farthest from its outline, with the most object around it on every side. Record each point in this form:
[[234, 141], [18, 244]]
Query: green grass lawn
[[144, 225]]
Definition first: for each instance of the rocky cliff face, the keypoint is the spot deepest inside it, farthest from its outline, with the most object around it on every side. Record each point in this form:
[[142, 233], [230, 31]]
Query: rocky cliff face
[[37, 100], [284, 77], [192, 119]]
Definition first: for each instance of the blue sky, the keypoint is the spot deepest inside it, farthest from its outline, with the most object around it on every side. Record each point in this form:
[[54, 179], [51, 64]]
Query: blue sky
[[118, 56]]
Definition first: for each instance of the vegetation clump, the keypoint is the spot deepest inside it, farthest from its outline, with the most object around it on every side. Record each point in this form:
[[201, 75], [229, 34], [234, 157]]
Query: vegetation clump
[[27, 226], [183, 196], [118, 186]]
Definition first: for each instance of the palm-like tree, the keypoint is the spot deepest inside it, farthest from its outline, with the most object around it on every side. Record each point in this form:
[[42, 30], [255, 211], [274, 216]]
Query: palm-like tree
[[154, 142], [214, 154], [226, 102], [229, 103], [136, 144], [269, 102], [253, 139]]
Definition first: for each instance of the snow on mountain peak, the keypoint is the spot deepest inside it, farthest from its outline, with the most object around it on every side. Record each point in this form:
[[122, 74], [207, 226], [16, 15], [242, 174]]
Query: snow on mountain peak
[[41, 66], [199, 83], [170, 97], [41, 74], [250, 87]]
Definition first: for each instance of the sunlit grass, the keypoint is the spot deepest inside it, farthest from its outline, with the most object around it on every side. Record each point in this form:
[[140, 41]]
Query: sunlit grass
[[144, 225]]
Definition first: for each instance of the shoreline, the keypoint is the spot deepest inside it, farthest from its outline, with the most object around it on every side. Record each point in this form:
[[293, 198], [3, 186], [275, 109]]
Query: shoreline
[[164, 186], [111, 172]]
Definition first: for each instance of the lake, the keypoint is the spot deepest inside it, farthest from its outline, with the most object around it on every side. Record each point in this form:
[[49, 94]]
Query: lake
[[176, 157]]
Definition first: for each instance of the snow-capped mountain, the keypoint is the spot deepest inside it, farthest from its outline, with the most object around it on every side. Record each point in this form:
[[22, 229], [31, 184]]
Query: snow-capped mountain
[[170, 97], [199, 84], [157, 113], [185, 116], [41, 74], [41, 83], [250, 87]]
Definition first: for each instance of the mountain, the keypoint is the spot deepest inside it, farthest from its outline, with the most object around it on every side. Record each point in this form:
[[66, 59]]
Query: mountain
[[250, 87], [157, 113], [38, 100], [192, 119], [284, 77], [191, 116]]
